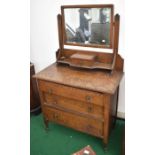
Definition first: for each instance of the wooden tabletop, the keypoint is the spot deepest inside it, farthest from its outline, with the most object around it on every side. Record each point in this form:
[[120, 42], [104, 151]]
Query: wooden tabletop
[[94, 80]]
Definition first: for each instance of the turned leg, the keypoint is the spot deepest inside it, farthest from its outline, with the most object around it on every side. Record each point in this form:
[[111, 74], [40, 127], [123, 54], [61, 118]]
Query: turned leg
[[46, 123]]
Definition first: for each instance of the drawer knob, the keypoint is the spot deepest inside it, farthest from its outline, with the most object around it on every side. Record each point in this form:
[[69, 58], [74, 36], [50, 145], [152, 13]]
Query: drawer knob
[[54, 102], [50, 91], [88, 98], [90, 109], [55, 116]]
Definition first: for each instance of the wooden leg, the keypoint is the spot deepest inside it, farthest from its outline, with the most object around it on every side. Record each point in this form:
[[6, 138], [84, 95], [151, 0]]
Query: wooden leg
[[114, 122], [46, 123], [115, 117], [105, 145]]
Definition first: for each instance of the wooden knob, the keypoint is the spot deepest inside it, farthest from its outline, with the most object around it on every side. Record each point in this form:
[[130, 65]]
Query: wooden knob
[[54, 102], [55, 116], [88, 98], [90, 109], [50, 91]]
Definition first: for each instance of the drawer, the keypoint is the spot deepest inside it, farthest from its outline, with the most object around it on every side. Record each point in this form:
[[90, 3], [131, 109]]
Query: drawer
[[71, 92], [74, 105], [87, 125]]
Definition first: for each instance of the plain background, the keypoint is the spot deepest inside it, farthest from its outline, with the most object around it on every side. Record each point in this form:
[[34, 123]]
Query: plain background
[[139, 70], [44, 34]]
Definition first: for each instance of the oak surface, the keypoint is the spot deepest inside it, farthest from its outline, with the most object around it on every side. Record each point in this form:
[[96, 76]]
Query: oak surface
[[98, 81]]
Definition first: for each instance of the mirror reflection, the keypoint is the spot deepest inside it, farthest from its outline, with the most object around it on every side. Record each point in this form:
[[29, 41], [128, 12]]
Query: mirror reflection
[[87, 25]]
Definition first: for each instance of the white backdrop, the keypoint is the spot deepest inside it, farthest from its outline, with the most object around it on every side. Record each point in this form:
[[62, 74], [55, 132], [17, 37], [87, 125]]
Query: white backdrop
[[44, 34]]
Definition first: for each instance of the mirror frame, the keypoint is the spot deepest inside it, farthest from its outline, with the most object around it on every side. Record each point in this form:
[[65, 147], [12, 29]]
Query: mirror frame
[[64, 40]]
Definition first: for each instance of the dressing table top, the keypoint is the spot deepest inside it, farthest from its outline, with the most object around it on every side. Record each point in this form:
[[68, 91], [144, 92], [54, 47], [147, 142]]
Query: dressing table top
[[95, 80]]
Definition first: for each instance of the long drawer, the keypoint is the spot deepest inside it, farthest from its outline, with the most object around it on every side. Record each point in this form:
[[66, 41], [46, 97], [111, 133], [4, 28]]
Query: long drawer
[[74, 105], [71, 92], [87, 125]]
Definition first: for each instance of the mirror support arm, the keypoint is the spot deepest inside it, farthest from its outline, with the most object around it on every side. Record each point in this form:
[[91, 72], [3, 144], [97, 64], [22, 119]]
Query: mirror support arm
[[60, 34], [116, 41]]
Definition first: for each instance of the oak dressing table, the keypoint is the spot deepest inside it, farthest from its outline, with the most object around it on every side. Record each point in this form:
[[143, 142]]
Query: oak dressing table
[[80, 90]]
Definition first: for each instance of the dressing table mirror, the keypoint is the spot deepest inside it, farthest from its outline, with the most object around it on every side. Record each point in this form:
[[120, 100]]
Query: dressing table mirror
[[92, 26], [80, 90], [88, 26]]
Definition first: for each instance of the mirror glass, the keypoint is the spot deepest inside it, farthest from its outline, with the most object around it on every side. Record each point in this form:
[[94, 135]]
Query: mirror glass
[[88, 26]]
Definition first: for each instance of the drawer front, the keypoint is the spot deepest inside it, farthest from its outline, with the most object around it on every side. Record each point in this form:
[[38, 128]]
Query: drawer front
[[70, 92], [74, 105], [79, 123]]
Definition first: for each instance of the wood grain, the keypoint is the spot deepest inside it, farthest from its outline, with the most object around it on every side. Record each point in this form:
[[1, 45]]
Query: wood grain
[[87, 125], [97, 81], [66, 103], [91, 109], [102, 60]]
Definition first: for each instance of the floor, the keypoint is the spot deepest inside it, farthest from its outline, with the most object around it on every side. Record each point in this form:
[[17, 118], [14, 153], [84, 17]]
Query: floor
[[60, 140]]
